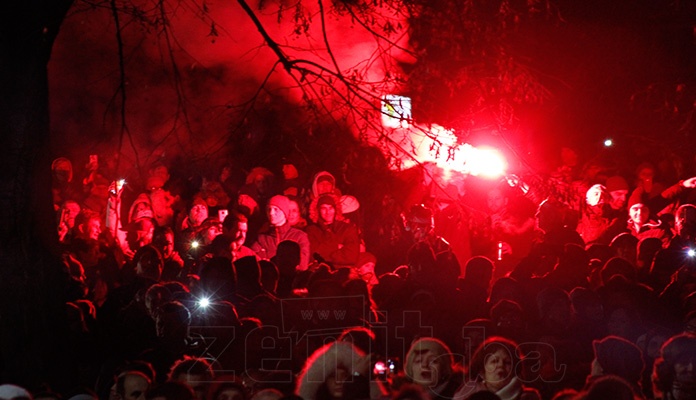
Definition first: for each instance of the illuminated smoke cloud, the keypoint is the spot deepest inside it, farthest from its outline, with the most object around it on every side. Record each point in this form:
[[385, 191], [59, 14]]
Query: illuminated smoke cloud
[[221, 58]]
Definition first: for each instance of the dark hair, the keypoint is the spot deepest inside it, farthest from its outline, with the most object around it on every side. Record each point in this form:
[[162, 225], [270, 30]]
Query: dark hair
[[159, 294], [193, 366], [232, 220], [85, 215], [488, 347], [148, 262], [230, 383], [159, 236], [610, 387], [677, 347], [360, 337]]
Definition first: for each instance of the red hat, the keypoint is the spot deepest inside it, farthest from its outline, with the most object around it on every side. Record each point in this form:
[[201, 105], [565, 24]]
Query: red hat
[[616, 182], [281, 202]]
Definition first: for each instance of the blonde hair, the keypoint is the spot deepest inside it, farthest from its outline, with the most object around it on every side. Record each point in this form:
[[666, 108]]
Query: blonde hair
[[433, 345]]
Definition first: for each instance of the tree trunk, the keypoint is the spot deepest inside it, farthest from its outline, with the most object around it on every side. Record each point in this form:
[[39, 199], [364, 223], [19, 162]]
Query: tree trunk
[[30, 301]]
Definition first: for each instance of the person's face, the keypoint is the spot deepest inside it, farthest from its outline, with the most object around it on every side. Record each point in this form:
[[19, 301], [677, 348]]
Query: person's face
[[276, 216], [336, 383], [367, 271], [420, 229], [427, 368], [168, 248], [684, 222], [594, 196], [261, 183], [70, 211], [327, 213], [134, 387], [324, 187], [145, 231], [293, 213], [684, 370], [195, 382], [639, 214], [63, 172], [618, 199], [496, 201], [93, 228], [198, 214], [242, 229], [498, 368], [230, 394], [646, 174], [142, 206], [211, 233]]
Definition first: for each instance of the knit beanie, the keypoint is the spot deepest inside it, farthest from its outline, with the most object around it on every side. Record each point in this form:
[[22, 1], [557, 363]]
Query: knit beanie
[[349, 204], [616, 182], [282, 202], [326, 199], [198, 200], [618, 356], [596, 195]]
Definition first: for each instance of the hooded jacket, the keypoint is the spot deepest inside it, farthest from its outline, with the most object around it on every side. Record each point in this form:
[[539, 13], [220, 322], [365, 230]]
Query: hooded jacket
[[267, 242]]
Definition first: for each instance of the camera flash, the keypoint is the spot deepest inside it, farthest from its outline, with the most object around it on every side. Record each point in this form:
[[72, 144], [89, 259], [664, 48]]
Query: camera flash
[[203, 302]]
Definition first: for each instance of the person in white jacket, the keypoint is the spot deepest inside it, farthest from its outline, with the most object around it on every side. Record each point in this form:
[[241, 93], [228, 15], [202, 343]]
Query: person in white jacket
[[338, 371]]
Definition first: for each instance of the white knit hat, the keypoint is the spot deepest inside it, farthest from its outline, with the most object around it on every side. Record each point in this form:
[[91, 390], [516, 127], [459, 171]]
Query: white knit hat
[[349, 204]]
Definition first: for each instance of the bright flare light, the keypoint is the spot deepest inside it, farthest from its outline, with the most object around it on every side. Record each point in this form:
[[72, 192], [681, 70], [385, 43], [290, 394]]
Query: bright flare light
[[441, 148], [203, 302], [194, 244], [691, 252], [485, 162], [608, 143]]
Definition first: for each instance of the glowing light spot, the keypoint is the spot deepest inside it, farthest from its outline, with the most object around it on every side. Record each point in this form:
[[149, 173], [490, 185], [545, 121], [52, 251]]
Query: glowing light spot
[[691, 252], [380, 368], [439, 146], [195, 244], [608, 143], [203, 302]]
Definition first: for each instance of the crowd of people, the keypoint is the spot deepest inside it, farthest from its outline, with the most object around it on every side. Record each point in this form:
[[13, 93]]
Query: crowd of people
[[257, 286]]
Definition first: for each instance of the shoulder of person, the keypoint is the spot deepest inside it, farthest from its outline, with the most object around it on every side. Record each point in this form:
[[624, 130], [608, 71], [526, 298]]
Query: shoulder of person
[[530, 394]]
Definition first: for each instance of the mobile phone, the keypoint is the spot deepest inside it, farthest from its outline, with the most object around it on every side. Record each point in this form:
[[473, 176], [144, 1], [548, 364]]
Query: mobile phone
[[222, 214], [380, 368]]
